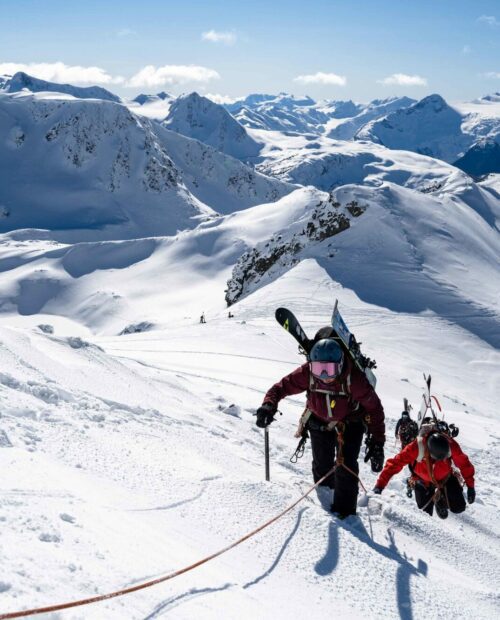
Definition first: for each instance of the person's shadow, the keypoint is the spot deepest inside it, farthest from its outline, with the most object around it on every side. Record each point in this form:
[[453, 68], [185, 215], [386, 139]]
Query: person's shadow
[[280, 554], [405, 570]]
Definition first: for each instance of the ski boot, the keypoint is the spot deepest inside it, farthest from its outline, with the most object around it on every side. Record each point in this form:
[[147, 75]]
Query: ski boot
[[441, 506]]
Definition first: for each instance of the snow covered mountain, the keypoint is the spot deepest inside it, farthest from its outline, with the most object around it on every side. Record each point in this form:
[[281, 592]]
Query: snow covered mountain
[[287, 113], [482, 158], [22, 81], [280, 113], [488, 99], [434, 128], [371, 238], [93, 166], [66, 393], [88, 165], [341, 109], [218, 180], [145, 99], [151, 106], [347, 128], [328, 164], [200, 118]]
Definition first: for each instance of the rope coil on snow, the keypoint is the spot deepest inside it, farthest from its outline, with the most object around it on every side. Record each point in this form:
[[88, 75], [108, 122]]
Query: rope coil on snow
[[153, 582]]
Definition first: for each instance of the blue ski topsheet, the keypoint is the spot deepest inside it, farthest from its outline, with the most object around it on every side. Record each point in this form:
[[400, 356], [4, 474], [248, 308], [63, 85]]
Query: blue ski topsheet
[[349, 341], [340, 327]]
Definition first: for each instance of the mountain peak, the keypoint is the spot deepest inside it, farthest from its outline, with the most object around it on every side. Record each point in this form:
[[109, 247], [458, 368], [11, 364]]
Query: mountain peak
[[197, 117], [434, 102], [491, 98], [143, 98], [21, 80]]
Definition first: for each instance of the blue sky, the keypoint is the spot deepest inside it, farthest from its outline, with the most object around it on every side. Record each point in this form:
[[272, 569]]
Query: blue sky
[[359, 49]]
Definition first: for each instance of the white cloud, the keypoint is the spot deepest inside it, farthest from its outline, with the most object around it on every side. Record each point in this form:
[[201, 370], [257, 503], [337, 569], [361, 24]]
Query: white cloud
[[401, 79], [227, 37], [222, 99], [321, 78], [171, 74], [492, 75], [466, 50], [61, 73], [489, 19]]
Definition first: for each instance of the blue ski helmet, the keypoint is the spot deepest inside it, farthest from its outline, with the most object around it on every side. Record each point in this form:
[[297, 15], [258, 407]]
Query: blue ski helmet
[[326, 359]]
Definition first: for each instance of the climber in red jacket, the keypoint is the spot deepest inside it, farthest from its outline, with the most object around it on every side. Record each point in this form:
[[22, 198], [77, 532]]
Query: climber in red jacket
[[435, 483]]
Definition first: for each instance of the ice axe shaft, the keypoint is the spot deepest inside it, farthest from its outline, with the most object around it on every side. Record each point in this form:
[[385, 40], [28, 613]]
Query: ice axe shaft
[[266, 451]]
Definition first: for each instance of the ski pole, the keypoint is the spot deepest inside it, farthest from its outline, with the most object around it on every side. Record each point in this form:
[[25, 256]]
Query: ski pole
[[266, 451]]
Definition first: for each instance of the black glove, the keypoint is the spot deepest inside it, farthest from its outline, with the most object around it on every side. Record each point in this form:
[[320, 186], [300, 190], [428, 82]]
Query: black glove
[[375, 454], [377, 457], [377, 490], [265, 415], [471, 495]]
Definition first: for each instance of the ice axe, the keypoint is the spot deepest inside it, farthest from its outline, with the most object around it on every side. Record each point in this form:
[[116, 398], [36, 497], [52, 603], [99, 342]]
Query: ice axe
[[266, 452]]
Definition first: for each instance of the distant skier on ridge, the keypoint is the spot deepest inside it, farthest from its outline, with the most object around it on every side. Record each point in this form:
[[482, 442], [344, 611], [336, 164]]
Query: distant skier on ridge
[[340, 401]]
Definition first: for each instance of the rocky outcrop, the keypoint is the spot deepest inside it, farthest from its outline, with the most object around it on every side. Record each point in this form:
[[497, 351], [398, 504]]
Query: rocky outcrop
[[282, 251]]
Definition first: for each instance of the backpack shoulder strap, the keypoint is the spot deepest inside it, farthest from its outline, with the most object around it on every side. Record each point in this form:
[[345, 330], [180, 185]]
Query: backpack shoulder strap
[[421, 449], [348, 382]]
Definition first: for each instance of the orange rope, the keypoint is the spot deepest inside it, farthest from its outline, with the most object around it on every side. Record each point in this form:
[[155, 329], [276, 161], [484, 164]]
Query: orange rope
[[340, 454], [354, 474], [148, 584]]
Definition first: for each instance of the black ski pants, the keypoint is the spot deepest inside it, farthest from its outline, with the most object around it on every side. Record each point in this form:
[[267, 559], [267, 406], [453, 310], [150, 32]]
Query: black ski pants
[[456, 500], [324, 447]]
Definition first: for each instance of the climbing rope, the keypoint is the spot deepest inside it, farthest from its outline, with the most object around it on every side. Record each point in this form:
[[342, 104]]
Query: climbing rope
[[153, 582], [340, 427]]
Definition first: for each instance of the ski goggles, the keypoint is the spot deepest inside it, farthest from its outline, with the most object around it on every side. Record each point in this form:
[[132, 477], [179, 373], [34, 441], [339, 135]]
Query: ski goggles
[[326, 370]]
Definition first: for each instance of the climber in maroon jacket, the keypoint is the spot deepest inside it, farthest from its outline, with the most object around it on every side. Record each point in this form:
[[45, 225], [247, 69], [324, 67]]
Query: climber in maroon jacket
[[340, 402]]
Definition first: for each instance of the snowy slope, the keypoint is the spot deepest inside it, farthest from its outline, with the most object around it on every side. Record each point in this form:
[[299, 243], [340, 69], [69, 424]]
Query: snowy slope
[[126, 463], [200, 118], [389, 251], [434, 128], [218, 180], [327, 163], [22, 81], [108, 286], [387, 244]]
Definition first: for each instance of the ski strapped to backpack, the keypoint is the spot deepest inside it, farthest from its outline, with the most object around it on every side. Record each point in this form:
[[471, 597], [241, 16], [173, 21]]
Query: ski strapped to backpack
[[408, 430], [339, 332], [352, 346]]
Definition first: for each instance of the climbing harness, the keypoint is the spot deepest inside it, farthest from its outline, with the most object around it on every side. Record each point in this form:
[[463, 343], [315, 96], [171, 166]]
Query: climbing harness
[[302, 432]]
